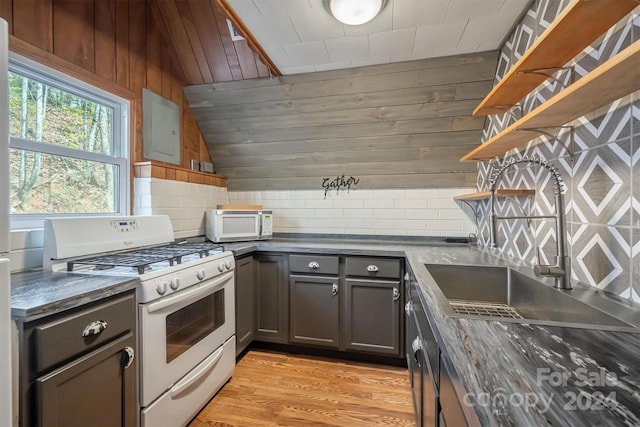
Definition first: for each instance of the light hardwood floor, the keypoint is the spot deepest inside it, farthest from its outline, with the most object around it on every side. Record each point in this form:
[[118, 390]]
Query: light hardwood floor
[[277, 389]]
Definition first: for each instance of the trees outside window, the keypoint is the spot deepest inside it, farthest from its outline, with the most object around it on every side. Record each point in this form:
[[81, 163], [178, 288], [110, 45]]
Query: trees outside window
[[68, 145]]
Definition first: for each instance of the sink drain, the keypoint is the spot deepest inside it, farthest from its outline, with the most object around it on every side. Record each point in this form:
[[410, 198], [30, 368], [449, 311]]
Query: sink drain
[[485, 309]]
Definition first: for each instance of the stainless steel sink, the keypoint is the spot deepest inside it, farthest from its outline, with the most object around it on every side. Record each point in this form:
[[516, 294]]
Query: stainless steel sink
[[502, 293]]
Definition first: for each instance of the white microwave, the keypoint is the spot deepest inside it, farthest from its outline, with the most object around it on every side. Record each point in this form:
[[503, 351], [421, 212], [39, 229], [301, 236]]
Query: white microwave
[[239, 225]]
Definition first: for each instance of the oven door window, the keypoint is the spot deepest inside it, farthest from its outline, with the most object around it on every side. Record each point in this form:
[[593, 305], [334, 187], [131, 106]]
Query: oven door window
[[194, 322]]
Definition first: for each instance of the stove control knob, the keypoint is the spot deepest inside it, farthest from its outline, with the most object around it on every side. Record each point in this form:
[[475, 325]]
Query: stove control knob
[[200, 274], [175, 284], [161, 288], [227, 265], [221, 267]]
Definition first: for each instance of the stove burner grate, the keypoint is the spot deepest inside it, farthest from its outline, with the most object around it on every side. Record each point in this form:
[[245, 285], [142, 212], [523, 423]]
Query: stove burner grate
[[142, 259]]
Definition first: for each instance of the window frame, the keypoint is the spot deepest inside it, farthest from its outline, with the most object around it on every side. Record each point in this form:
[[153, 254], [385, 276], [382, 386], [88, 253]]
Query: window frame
[[120, 157]]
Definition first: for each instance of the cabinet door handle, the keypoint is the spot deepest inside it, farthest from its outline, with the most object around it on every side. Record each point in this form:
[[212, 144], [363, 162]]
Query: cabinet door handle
[[407, 308], [372, 268], [314, 265], [416, 346], [94, 328], [396, 294], [128, 355], [334, 289]]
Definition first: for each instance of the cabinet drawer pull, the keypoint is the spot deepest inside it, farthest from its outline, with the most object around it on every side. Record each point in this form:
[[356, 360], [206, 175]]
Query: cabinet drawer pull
[[334, 289], [127, 356], [94, 328], [372, 268], [314, 265], [396, 294]]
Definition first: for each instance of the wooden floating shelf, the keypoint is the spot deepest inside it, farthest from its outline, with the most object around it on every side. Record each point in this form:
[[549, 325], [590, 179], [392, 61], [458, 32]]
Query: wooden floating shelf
[[579, 25], [612, 80], [500, 192]]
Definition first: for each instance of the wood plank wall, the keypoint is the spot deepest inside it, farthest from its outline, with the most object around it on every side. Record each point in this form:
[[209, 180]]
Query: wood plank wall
[[401, 125], [121, 46]]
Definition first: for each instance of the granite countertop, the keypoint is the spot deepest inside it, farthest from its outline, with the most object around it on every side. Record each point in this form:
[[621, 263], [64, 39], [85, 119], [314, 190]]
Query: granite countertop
[[38, 293], [506, 373], [510, 373]]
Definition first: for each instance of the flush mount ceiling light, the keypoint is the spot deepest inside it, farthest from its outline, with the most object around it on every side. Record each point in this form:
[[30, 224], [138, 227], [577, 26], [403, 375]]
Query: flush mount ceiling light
[[354, 12]]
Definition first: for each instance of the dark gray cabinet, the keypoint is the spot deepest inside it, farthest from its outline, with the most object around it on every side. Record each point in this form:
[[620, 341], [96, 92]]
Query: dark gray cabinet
[[431, 372], [422, 357], [348, 303], [95, 390], [314, 310], [245, 298], [272, 298], [314, 300], [79, 367], [372, 317], [451, 413]]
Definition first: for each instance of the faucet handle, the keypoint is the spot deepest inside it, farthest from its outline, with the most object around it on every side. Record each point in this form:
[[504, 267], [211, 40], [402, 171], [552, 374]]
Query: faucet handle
[[537, 256], [540, 269]]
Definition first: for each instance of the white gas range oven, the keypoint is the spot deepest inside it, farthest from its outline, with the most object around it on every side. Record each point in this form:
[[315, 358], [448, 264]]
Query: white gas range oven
[[186, 313]]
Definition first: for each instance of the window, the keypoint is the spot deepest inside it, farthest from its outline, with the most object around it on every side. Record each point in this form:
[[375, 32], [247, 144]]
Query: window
[[68, 146]]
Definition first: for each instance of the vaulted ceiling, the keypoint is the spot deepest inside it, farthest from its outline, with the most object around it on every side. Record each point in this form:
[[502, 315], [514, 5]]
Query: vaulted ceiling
[[300, 36]]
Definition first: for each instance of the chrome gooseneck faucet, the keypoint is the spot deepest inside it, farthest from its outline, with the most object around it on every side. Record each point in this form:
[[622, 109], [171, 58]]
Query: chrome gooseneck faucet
[[561, 270]]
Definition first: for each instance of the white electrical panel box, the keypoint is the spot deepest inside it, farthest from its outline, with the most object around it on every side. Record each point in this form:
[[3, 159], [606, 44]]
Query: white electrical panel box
[[161, 122]]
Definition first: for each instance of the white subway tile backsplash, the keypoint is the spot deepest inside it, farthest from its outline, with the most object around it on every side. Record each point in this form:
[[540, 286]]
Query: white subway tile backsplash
[[324, 213], [348, 203], [410, 224], [184, 202], [411, 203], [420, 212], [357, 213], [452, 214], [376, 203], [388, 194], [425, 194], [389, 213], [375, 224], [318, 204], [442, 204], [360, 194]]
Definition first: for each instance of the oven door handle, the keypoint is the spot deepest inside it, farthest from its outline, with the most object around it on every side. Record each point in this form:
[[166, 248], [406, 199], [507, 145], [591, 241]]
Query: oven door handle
[[189, 295], [193, 377]]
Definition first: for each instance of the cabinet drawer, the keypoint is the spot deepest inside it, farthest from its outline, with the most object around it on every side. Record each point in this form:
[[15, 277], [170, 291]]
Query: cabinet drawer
[[320, 264], [373, 267], [62, 339]]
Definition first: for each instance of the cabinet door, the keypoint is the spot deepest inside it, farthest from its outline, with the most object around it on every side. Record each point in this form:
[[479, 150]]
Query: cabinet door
[[372, 316], [272, 308], [245, 297], [94, 390], [314, 310]]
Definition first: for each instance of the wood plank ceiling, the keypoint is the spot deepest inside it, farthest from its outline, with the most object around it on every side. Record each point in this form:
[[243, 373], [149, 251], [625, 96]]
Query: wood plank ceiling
[[202, 43]]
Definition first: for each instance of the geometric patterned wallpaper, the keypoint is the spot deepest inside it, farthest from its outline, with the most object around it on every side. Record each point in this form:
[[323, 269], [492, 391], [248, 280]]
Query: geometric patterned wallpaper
[[599, 161]]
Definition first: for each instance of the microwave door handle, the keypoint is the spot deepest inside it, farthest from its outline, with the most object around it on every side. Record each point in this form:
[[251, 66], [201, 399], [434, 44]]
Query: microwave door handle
[[260, 224]]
